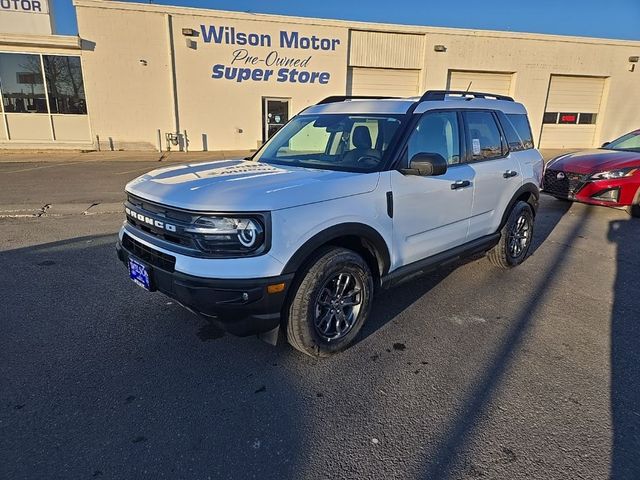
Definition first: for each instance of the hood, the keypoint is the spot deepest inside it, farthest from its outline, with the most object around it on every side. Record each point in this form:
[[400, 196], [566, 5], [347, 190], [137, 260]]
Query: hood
[[242, 186], [595, 160]]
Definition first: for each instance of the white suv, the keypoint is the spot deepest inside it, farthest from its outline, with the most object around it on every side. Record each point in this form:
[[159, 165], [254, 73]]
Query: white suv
[[351, 195]]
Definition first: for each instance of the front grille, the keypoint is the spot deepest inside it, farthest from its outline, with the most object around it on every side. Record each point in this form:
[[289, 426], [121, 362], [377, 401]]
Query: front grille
[[149, 255], [177, 218], [565, 187]]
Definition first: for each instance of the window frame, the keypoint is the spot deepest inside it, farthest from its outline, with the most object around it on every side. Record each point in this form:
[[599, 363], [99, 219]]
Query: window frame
[[5, 115], [44, 87], [505, 151], [403, 157], [48, 83]]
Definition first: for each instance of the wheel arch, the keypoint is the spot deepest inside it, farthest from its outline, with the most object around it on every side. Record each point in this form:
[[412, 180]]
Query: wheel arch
[[529, 193], [359, 237]]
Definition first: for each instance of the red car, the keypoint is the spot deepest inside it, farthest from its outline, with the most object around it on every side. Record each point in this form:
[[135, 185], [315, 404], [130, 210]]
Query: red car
[[607, 176]]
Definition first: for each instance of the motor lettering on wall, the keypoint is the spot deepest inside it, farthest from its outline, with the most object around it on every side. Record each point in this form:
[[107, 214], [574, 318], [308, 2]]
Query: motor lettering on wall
[[32, 6], [249, 66]]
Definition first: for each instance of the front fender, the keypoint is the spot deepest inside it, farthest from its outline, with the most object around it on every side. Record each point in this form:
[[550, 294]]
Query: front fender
[[367, 235]]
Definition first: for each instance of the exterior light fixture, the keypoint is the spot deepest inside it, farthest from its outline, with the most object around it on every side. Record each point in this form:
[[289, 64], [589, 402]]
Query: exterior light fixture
[[634, 59], [190, 32], [440, 48]]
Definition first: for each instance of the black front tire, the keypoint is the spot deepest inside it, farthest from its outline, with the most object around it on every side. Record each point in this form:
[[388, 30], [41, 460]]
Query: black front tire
[[515, 238], [315, 297]]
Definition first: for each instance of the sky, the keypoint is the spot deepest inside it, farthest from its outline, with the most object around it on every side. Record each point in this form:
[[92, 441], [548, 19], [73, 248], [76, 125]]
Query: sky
[[592, 18]]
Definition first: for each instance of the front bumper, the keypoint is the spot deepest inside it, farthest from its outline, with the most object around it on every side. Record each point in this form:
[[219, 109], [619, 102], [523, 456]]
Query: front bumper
[[579, 188], [625, 190], [239, 306]]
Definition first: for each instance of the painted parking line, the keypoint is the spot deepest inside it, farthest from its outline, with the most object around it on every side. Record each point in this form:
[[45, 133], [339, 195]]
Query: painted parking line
[[47, 166], [145, 169], [149, 168]]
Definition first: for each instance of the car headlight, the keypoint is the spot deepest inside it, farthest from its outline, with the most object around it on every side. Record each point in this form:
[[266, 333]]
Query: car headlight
[[613, 174], [228, 235]]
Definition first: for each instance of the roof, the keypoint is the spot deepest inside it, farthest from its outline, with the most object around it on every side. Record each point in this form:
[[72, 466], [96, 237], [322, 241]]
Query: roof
[[398, 106]]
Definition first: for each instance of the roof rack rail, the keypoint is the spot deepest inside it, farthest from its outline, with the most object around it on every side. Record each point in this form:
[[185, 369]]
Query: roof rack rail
[[342, 98], [441, 94]]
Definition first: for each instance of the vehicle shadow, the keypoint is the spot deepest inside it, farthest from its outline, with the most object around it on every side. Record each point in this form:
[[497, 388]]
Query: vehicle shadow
[[389, 303], [102, 379], [444, 456], [549, 215], [625, 351]]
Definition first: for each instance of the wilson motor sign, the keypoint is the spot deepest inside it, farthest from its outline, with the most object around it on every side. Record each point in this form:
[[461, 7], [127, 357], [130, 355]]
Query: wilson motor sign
[[287, 57]]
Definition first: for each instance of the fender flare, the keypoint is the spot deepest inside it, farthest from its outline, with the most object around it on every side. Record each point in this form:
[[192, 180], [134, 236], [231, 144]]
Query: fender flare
[[530, 188], [369, 237]]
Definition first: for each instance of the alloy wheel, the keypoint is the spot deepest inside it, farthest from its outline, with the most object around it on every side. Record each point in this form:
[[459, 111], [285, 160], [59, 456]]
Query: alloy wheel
[[519, 236], [338, 306]]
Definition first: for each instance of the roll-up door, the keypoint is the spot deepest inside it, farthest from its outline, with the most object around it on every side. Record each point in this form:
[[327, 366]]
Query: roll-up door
[[487, 82], [383, 81], [571, 113]]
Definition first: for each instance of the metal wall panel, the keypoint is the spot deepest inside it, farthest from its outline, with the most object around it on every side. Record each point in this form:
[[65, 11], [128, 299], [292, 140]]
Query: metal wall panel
[[572, 94], [383, 81], [567, 136], [488, 82], [386, 50], [575, 94]]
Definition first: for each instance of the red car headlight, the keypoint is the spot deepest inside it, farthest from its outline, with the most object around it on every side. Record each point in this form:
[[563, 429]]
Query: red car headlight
[[613, 174]]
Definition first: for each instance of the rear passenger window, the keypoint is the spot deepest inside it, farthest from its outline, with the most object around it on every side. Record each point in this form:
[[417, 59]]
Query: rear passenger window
[[521, 123], [485, 140]]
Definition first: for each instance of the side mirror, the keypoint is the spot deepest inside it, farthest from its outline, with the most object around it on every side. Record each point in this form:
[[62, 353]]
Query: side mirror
[[605, 144], [426, 165]]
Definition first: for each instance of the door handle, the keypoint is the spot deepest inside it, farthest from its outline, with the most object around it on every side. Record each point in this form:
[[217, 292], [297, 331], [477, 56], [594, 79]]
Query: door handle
[[460, 184], [510, 173]]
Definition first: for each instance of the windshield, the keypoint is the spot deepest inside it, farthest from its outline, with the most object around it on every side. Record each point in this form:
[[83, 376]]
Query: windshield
[[348, 142], [630, 141]]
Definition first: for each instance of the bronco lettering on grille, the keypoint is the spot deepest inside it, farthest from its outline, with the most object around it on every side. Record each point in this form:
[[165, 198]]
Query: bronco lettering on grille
[[149, 220]]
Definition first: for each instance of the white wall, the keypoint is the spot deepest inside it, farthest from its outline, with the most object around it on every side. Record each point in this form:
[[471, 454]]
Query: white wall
[[129, 82]]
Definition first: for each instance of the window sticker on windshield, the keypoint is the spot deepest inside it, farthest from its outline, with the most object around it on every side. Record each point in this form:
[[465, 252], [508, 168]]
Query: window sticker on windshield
[[475, 143]]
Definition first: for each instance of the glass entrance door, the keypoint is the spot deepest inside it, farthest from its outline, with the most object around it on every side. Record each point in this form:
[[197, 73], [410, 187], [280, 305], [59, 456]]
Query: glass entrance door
[[275, 115]]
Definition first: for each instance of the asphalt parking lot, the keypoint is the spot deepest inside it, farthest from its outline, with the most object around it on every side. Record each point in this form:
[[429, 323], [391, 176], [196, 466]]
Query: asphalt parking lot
[[470, 372]]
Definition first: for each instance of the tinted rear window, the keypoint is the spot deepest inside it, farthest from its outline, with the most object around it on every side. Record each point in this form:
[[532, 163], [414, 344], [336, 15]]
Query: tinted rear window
[[521, 123], [513, 139]]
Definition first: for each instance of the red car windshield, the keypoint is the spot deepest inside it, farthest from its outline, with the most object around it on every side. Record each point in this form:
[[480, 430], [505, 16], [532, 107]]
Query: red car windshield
[[630, 141]]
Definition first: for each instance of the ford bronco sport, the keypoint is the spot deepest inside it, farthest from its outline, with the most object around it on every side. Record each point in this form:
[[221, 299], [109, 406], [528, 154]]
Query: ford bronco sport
[[353, 194]]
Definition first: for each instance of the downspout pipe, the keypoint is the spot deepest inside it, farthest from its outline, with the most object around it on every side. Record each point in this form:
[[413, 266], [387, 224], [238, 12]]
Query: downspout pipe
[[172, 78]]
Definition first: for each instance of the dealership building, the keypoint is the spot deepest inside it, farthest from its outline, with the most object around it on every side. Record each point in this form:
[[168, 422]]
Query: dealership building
[[152, 77]]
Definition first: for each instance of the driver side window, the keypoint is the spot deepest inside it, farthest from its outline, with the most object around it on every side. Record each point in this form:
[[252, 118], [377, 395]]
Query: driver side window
[[436, 132]]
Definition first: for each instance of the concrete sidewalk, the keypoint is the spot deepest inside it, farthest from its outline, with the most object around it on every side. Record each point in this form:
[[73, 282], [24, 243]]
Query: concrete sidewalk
[[38, 156]]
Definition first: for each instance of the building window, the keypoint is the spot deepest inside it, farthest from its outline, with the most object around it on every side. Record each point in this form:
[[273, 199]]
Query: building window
[[64, 84], [587, 119], [22, 84], [568, 118]]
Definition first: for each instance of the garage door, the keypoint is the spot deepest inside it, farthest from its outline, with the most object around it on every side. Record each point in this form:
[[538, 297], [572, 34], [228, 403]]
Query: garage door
[[488, 82], [571, 113], [383, 81]]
